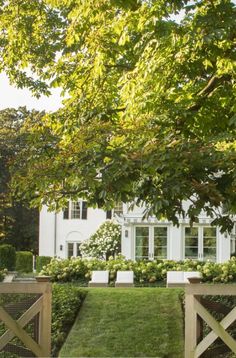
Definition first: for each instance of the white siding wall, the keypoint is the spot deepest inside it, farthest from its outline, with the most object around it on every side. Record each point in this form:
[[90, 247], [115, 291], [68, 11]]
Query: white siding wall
[[175, 242], [223, 247], [46, 232], [67, 230]]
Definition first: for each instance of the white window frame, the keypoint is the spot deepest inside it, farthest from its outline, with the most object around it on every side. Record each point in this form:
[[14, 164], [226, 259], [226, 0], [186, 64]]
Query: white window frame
[[151, 241], [200, 229], [71, 210], [74, 243]]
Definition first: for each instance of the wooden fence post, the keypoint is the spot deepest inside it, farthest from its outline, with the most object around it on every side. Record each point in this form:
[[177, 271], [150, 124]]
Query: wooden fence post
[[190, 326], [45, 317]]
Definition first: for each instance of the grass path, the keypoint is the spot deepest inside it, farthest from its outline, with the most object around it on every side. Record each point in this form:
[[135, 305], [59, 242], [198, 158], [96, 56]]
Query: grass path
[[137, 322]]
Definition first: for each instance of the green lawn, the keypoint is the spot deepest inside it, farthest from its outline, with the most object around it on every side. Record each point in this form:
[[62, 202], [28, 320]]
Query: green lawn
[[137, 322]]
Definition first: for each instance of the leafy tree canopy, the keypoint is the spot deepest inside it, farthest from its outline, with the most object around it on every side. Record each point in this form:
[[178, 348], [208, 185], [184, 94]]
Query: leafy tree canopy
[[150, 108]]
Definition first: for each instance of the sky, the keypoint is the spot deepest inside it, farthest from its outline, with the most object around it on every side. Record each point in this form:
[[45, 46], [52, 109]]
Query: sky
[[11, 97]]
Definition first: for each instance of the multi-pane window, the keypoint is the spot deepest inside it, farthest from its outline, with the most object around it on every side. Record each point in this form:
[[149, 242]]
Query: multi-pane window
[[200, 243], [151, 242], [76, 210], [73, 249], [118, 208]]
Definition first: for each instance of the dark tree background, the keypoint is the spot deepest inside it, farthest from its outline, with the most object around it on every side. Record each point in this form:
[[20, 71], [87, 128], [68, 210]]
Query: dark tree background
[[18, 222]]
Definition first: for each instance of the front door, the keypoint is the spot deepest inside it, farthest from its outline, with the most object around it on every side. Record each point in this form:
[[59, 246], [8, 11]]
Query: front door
[[150, 242], [200, 243]]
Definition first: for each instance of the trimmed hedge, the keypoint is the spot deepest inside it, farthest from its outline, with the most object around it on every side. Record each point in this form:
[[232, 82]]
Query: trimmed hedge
[[66, 302], [24, 261], [7, 257], [42, 261], [145, 272]]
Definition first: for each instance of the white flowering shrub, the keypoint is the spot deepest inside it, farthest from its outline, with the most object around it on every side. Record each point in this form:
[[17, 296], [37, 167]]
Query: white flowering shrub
[[145, 272], [104, 243]]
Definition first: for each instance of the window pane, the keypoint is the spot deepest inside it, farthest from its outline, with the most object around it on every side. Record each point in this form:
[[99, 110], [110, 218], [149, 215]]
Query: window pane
[[142, 231], [191, 252], [209, 231], [70, 247], [191, 241], [75, 210], [160, 252], [191, 231], [141, 252], [209, 253]]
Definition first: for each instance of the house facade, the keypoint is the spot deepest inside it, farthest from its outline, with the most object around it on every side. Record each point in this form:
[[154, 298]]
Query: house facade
[[62, 233]]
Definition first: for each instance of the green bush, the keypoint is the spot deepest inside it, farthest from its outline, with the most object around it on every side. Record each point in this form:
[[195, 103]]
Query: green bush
[[42, 261], [145, 272], [66, 302], [2, 274], [7, 257], [24, 261]]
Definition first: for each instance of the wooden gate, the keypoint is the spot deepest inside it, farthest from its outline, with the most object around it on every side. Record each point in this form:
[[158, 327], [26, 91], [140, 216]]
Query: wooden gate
[[37, 313], [195, 347]]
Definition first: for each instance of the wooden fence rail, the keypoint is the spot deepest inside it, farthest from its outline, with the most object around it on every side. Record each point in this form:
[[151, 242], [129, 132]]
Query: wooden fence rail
[[39, 308], [194, 308]]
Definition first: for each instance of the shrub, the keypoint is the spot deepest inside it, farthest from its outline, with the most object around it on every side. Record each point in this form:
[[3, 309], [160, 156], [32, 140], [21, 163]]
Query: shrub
[[24, 261], [105, 242], [7, 257], [66, 301], [2, 274], [42, 261], [145, 272]]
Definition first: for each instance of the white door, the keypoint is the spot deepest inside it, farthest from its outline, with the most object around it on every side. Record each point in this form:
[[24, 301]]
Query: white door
[[200, 243], [150, 242]]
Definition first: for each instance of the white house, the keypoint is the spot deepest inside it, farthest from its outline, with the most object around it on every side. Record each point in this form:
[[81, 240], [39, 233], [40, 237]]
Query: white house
[[61, 233]]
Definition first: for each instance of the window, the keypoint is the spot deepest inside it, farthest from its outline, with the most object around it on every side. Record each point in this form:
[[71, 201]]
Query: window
[[118, 209], [76, 210], [151, 242], [70, 250], [200, 243], [73, 249]]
